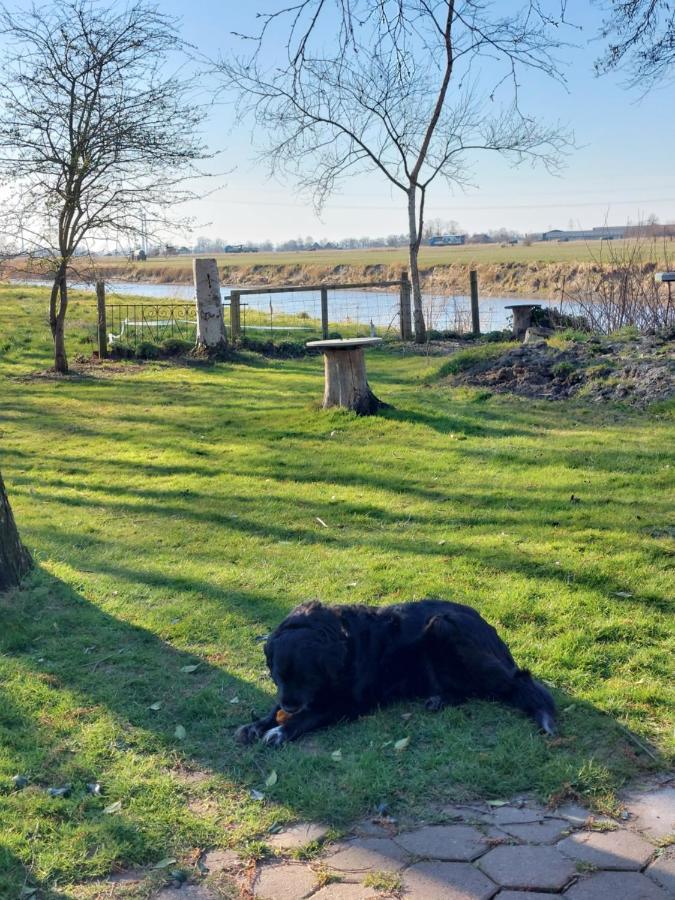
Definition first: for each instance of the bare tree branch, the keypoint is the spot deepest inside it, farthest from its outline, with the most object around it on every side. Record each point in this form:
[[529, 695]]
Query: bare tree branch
[[397, 94], [641, 40], [98, 136]]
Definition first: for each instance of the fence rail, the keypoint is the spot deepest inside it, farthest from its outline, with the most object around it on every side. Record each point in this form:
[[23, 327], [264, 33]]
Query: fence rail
[[354, 308], [298, 312]]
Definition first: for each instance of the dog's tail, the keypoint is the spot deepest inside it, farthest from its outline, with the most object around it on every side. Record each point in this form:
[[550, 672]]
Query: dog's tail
[[534, 699]]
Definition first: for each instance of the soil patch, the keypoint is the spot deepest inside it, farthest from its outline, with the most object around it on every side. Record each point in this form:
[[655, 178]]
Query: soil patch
[[639, 371]]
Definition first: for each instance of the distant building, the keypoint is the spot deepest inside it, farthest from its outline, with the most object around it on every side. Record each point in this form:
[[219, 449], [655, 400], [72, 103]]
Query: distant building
[[604, 233], [446, 240]]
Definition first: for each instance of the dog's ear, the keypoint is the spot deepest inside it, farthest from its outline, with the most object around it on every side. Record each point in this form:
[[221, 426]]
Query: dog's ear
[[440, 628], [333, 657]]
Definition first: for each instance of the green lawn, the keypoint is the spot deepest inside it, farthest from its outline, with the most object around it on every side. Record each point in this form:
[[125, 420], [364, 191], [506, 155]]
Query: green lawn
[[174, 516]]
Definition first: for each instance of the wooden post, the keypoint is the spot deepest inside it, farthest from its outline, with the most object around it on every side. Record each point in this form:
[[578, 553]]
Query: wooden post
[[324, 313], [475, 315], [102, 324], [405, 313], [235, 315]]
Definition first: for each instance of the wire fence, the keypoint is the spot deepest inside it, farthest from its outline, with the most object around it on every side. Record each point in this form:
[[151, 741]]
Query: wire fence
[[453, 314], [297, 313]]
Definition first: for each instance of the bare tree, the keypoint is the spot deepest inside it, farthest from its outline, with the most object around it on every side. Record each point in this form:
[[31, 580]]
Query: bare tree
[[438, 226], [641, 40], [412, 90], [97, 135], [15, 560]]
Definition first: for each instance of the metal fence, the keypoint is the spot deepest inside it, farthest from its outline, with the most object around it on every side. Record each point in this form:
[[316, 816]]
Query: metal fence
[[308, 311], [135, 323], [297, 313]]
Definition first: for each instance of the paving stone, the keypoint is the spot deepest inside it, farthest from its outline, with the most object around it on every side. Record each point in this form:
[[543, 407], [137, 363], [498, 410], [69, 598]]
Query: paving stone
[[608, 849], [468, 812], [346, 891], [546, 832], [653, 812], [297, 836], [496, 836], [282, 881], [187, 892], [130, 876], [615, 886], [662, 871], [517, 815], [353, 858], [221, 860], [527, 895], [447, 881], [528, 868], [369, 828], [460, 843], [574, 813]]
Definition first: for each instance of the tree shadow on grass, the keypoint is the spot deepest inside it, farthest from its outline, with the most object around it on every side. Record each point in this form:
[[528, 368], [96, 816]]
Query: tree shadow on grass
[[99, 674]]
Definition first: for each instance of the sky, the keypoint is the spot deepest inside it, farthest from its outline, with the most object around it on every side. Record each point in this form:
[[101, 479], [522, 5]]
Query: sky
[[621, 168]]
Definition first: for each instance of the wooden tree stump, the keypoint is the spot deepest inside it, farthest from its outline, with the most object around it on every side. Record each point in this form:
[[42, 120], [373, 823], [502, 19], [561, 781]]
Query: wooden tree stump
[[346, 383], [522, 317]]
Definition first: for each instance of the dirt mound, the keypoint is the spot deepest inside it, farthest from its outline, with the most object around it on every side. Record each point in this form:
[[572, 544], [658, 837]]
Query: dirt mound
[[639, 371]]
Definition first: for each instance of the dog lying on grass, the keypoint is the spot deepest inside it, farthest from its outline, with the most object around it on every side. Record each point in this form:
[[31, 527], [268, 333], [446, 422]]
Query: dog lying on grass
[[332, 663]]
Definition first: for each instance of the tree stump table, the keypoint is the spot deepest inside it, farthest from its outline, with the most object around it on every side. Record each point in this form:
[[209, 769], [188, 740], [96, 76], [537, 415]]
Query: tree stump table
[[346, 384], [522, 317]]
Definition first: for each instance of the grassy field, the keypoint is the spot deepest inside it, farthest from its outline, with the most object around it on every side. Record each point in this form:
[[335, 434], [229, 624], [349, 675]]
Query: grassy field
[[479, 254], [173, 512]]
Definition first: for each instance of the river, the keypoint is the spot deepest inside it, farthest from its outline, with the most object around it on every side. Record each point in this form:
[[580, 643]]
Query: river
[[442, 312]]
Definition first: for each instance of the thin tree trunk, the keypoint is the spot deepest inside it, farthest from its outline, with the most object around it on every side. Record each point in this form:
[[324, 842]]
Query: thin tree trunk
[[15, 560], [57, 319], [413, 251]]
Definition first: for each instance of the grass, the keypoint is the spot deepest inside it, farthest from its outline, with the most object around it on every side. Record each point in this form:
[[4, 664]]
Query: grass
[[488, 254], [173, 513]]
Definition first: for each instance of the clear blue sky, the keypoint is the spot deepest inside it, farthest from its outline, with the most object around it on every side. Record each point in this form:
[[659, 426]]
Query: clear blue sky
[[622, 170]]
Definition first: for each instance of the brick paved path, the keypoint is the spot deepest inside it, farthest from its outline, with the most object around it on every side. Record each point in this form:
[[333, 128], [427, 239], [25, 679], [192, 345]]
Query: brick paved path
[[474, 851]]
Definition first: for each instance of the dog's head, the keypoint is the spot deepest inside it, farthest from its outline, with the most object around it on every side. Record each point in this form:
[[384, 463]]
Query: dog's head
[[536, 700], [305, 656]]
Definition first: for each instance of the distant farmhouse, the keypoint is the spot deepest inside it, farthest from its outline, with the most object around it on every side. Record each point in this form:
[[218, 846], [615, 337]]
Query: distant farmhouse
[[446, 240], [604, 233]]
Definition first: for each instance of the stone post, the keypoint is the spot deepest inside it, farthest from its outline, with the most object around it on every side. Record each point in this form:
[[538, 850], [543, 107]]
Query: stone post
[[211, 335]]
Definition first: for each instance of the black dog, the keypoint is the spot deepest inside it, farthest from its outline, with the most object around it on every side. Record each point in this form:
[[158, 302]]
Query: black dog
[[332, 663]]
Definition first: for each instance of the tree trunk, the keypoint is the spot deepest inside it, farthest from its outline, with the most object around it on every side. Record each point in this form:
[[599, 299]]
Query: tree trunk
[[346, 384], [57, 319], [413, 251], [15, 560], [210, 326]]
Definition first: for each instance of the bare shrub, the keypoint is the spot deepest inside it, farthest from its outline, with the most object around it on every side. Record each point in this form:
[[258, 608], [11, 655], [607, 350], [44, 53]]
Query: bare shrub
[[619, 289]]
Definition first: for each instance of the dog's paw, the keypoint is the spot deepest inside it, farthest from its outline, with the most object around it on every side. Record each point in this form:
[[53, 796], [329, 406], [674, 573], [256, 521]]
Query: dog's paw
[[275, 737], [433, 704], [246, 734]]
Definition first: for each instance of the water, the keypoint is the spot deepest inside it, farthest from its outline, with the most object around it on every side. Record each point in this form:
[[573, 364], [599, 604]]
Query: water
[[442, 312]]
